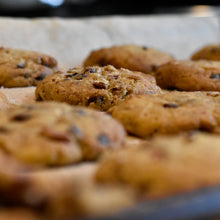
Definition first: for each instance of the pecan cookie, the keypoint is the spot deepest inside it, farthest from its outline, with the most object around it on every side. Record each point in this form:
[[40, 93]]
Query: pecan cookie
[[57, 134], [166, 166], [189, 75], [131, 57], [20, 68], [209, 52], [169, 113], [97, 87]]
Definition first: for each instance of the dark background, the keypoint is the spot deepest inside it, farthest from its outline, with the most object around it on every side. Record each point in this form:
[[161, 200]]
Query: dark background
[[85, 8]]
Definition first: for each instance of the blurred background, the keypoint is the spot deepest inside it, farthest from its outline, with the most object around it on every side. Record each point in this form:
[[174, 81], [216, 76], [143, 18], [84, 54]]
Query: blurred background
[[83, 8]]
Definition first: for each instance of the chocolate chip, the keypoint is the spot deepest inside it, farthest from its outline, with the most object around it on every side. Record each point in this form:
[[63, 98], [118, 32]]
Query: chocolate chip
[[40, 77], [77, 131], [39, 98], [71, 75], [170, 105], [44, 63], [26, 75], [214, 50], [100, 99], [21, 65], [92, 70], [104, 140], [96, 99], [144, 47], [81, 112], [99, 85], [3, 129], [80, 76], [214, 76], [21, 117]]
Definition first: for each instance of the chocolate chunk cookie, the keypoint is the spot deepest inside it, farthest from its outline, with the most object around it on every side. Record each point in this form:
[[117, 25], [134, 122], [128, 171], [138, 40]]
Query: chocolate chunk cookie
[[57, 134], [166, 166], [20, 68], [189, 75], [209, 52], [169, 113], [136, 58], [97, 87]]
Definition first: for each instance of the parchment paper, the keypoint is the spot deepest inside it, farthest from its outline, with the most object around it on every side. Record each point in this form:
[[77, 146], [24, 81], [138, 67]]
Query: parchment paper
[[70, 40]]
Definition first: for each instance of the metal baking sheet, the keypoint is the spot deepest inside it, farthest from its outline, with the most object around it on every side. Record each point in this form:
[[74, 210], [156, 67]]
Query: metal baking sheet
[[202, 204]]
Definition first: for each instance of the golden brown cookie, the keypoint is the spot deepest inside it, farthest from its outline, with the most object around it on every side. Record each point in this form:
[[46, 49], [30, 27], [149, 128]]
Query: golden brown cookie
[[68, 192], [20, 68], [189, 75], [169, 113], [209, 52], [167, 166], [131, 57], [57, 134], [97, 87]]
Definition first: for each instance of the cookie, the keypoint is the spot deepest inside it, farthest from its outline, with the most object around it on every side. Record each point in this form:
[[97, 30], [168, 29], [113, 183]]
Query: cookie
[[189, 75], [136, 58], [209, 52], [168, 165], [96, 87], [169, 113], [74, 193], [57, 134], [20, 68]]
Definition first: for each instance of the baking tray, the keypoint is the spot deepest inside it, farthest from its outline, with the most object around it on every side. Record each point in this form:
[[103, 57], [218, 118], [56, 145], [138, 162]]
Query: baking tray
[[203, 204]]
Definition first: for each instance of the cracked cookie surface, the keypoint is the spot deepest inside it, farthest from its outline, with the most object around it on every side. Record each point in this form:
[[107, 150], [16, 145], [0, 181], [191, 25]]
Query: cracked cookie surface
[[97, 87], [21, 68]]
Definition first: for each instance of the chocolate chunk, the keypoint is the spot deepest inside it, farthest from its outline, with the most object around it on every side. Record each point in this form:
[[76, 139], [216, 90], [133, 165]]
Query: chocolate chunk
[[77, 131], [214, 76], [40, 77], [144, 47], [71, 75], [99, 85], [21, 117], [104, 140], [170, 105], [21, 65]]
